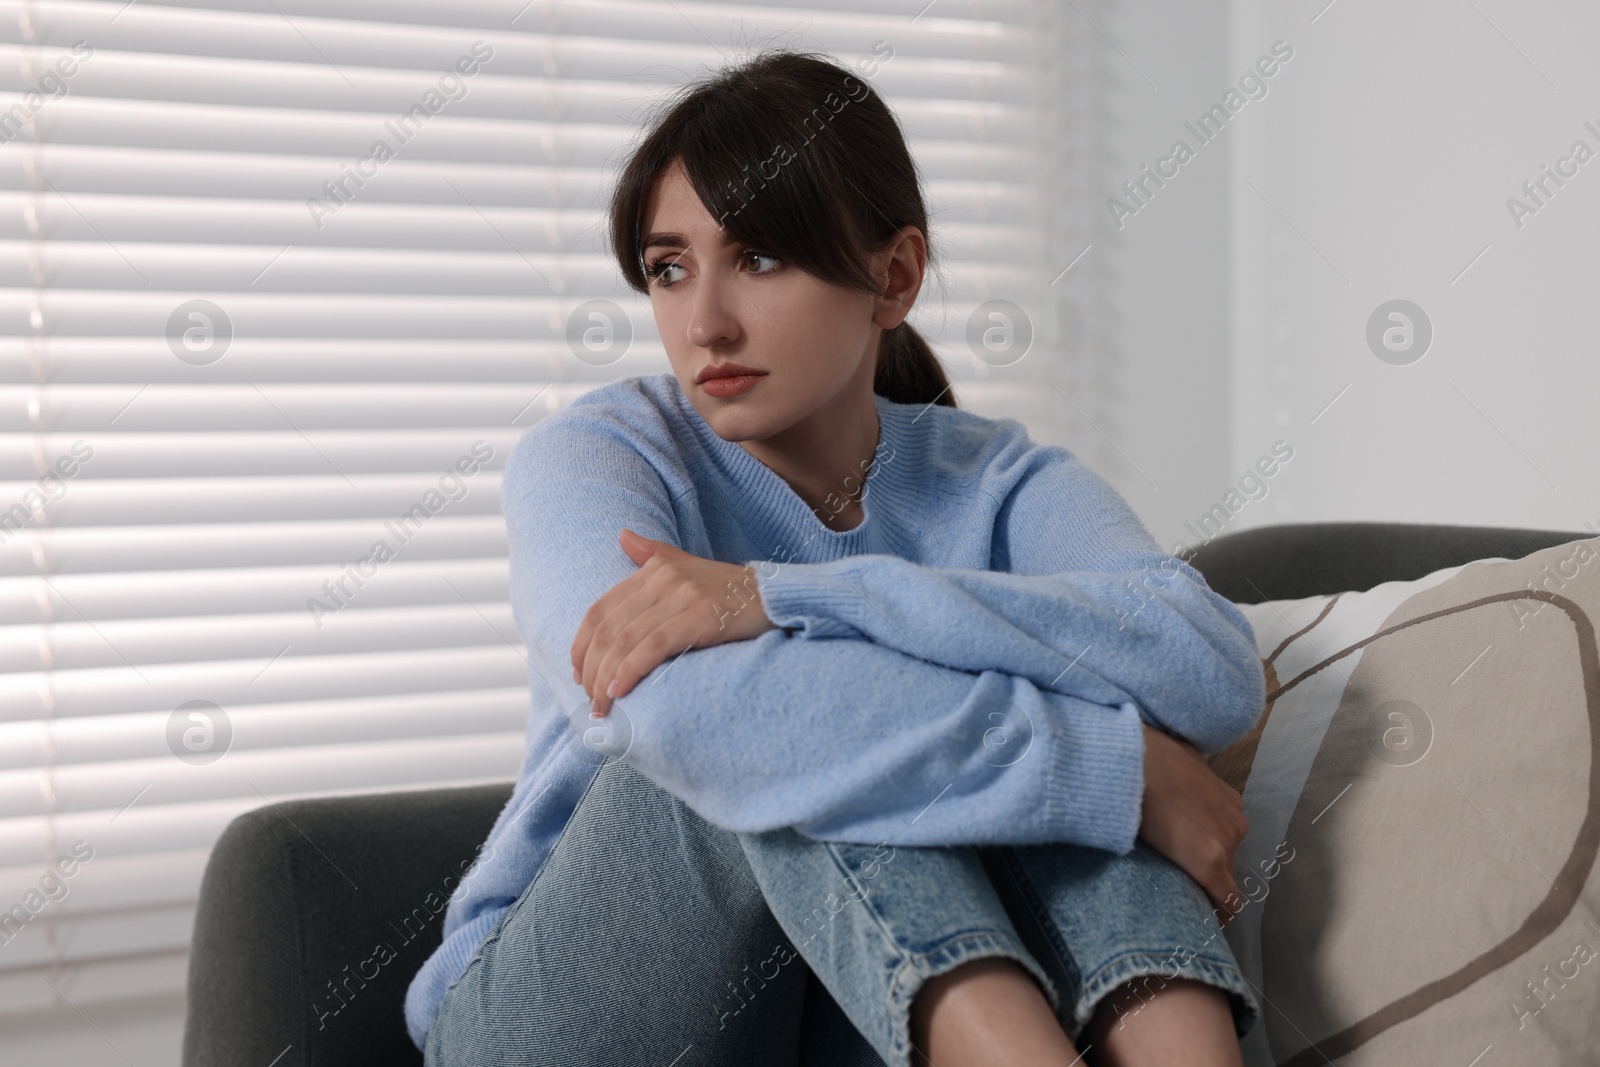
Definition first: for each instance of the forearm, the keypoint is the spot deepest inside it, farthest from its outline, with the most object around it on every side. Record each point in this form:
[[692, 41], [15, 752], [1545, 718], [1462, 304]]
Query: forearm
[[847, 740], [1158, 638]]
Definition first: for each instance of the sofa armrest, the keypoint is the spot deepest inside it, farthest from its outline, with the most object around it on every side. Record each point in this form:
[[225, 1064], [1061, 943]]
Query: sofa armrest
[[286, 967]]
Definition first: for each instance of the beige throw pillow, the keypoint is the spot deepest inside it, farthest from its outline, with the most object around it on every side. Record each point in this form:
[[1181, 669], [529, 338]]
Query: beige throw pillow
[[1424, 821]]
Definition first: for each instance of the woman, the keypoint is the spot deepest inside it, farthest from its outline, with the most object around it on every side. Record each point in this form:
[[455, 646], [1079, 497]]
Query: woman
[[947, 683]]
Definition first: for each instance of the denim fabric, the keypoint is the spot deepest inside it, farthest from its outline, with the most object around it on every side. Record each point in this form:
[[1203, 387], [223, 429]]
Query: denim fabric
[[638, 942], [875, 922], [652, 937]]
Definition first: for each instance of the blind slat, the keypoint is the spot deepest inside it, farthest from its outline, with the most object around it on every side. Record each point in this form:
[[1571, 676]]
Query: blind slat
[[274, 772], [92, 739], [117, 550], [163, 686]]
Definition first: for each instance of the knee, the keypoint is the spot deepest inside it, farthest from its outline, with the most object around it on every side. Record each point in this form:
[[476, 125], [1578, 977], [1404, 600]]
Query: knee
[[616, 782], [621, 800]]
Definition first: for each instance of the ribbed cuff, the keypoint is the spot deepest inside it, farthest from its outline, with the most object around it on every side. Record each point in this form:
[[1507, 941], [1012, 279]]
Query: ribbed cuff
[[440, 972], [798, 598], [1097, 779]]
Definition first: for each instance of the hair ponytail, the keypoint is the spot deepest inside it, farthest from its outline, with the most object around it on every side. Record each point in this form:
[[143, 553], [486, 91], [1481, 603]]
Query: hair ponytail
[[796, 155], [908, 372]]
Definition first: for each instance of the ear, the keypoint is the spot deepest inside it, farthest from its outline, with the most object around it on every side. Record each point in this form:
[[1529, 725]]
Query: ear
[[901, 266]]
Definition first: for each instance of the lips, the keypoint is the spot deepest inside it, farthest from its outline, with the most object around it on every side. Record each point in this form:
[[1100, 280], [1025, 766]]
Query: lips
[[725, 370]]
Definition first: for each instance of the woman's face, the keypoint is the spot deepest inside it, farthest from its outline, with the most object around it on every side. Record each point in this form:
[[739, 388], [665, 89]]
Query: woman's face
[[717, 304]]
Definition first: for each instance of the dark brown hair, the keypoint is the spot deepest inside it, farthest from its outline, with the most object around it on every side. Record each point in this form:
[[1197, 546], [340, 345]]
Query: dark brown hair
[[798, 157]]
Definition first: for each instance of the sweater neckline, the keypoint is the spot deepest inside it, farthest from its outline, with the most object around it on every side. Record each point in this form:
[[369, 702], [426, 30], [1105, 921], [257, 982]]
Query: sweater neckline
[[778, 497]]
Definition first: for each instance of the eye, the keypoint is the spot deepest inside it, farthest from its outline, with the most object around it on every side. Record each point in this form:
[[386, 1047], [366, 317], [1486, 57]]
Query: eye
[[657, 270], [754, 258]]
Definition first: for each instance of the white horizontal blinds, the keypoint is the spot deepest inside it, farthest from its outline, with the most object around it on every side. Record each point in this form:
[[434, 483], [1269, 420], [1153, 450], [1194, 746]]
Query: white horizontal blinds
[[222, 383]]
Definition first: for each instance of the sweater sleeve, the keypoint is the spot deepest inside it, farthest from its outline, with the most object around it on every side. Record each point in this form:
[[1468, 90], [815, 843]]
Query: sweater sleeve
[[1091, 609], [846, 740]]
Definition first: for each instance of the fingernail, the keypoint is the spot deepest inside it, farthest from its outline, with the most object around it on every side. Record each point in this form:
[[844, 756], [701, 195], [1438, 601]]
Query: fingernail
[[611, 690]]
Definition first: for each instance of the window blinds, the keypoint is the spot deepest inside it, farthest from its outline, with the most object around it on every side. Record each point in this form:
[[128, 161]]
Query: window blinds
[[242, 347]]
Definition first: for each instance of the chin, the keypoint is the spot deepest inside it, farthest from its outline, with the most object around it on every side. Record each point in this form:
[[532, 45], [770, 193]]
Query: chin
[[733, 422]]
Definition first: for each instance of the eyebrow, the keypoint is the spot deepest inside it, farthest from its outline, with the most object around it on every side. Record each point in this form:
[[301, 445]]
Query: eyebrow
[[677, 240]]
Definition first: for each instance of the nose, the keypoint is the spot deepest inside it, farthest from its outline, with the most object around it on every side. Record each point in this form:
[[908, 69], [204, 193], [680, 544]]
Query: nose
[[711, 320]]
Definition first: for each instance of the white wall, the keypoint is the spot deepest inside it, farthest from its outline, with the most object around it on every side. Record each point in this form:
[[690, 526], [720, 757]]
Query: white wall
[[1391, 143], [1226, 314]]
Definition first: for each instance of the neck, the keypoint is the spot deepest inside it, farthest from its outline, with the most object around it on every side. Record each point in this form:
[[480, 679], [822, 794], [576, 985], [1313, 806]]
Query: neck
[[826, 456]]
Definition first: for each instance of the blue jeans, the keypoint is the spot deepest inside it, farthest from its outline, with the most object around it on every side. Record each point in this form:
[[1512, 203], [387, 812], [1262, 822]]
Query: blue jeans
[[651, 937]]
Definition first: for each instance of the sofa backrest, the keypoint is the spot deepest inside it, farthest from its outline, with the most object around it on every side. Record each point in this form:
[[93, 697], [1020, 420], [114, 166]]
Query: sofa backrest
[[1289, 561]]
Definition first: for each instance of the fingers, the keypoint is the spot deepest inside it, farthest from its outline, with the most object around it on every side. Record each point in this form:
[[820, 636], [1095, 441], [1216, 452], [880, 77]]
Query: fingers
[[660, 631], [641, 632], [650, 556], [626, 600], [674, 602], [1232, 831], [597, 613], [652, 651], [638, 548], [1231, 901], [631, 604], [1223, 892], [1194, 818]]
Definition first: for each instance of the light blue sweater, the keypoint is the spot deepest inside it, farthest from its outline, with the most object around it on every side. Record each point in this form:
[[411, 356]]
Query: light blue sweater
[[970, 665]]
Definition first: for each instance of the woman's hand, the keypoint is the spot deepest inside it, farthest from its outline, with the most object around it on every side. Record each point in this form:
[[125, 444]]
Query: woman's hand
[[674, 602], [1192, 817]]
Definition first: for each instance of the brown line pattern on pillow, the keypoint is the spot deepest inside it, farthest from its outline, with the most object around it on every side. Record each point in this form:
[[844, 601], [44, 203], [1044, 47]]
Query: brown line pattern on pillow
[[1233, 763]]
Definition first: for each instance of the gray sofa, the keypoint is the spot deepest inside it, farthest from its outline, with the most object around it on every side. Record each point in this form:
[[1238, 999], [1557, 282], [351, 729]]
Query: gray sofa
[[278, 927]]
